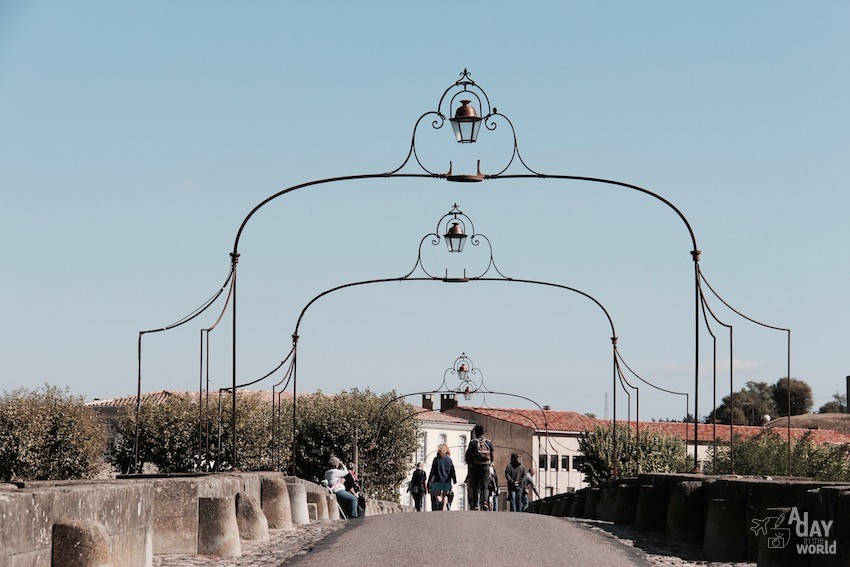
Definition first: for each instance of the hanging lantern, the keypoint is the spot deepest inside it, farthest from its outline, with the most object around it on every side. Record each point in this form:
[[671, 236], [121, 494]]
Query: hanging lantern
[[462, 371], [467, 394], [455, 237], [466, 123]]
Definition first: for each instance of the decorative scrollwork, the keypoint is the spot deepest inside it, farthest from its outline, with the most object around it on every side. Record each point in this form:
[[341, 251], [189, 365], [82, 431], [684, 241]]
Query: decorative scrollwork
[[464, 90], [455, 226]]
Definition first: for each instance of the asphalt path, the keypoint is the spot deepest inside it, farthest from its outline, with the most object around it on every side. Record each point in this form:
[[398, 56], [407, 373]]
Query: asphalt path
[[476, 539]]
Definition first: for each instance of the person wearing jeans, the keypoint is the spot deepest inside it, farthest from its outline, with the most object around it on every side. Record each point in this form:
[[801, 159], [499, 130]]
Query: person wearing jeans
[[515, 476], [335, 477]]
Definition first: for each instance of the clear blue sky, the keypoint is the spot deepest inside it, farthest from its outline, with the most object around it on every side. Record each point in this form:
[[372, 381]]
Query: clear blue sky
[[134, 138]]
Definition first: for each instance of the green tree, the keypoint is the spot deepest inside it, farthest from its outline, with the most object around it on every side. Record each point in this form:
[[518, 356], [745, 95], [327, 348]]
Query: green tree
[[767, 454], [168, 434], [49, 434], [655, 452], [385, 430], [801, 397], [837, 405], [748, 406]]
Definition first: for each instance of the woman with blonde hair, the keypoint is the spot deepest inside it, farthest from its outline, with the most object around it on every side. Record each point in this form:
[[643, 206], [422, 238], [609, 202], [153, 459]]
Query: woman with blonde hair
[[442, 475]]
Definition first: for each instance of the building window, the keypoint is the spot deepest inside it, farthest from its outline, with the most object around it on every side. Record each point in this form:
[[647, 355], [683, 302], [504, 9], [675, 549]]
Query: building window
[[541, 463], [461, 441], [420, 450], [441, 439], [577, 462], [553, 462], [565, 462]]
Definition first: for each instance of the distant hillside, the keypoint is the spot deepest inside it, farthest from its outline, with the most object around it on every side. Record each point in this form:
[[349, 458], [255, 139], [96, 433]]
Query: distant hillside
[[835, 421]]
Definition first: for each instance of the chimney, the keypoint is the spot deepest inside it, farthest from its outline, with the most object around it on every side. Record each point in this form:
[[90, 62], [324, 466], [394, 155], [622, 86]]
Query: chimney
[[447, 401], [428, 401], [547, 407]]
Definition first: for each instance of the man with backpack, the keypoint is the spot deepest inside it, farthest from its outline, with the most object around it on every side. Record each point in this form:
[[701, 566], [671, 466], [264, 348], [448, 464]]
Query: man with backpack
[[515, 477], [479, 457]]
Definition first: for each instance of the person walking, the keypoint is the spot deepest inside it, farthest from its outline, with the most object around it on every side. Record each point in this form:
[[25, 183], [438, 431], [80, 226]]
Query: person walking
[[479, 457], [417, 487], [515, 476], [493, 489], [528, 482], [442, 475]]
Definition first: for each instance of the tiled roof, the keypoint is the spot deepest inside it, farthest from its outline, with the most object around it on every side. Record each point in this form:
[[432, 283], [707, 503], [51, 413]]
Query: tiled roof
[[705, 432], [574, 421], [534, 419], [160, 397], [430, 415]]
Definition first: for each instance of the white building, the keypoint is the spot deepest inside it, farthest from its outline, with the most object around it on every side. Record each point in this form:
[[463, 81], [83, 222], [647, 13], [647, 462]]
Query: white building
[[436, 427]]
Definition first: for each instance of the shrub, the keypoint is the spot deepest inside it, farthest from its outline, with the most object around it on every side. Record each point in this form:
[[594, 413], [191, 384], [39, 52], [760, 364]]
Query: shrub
[[655, 452], [767, 454], [48, 434]]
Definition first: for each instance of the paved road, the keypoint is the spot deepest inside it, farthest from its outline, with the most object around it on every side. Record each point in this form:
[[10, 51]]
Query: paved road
[[476, 539]]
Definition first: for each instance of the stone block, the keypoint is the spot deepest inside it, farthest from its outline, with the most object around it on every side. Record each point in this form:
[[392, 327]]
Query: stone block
[[625, 505], [312, 512], [133, 548], [175, 534], [725, 536], [250, 518], [651, 514], [685, 512], [321, 503], [26, 520], [38, 558], [566, 503], [333, 508], [577, 508], [218, 531], [81, 544], [784, 553], [298, 503], [607, 500], [592, 503], [274, 500]]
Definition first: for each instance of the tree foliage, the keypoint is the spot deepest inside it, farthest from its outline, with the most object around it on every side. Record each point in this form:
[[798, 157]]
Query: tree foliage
[[801, 397], [837, 405], [48, 434], [655, 452], [326, 426], [385, 431], [767, 454], [750, 404], [169, 440]]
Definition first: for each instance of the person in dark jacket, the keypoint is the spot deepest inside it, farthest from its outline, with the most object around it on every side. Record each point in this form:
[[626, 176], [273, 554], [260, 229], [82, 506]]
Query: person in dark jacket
[[417, 486], [479, 457], [515, 478], [442, 475]]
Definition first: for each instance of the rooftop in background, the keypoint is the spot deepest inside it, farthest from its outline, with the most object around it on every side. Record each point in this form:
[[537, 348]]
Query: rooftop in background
[[423, 414], [160, 397], [835, 421], [574, 422]]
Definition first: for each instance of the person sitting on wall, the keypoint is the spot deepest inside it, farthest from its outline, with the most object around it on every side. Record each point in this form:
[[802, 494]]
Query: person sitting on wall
[[335, 477]]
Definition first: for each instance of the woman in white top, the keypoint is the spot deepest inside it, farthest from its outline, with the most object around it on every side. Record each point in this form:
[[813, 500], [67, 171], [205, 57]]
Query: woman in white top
[[335, 477]]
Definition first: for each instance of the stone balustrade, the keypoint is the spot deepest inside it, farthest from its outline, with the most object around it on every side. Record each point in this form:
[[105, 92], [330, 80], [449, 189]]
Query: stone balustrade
[[724, 513], [125, 522]]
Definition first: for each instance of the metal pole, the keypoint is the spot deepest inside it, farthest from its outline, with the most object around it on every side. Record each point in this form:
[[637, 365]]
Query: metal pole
[[235, 259], [788, 376], [614, 416], [138, 411], [695, 254]]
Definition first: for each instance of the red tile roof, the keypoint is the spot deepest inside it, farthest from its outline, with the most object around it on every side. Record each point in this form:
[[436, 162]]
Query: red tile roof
[[534, 419], [570, 421]]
